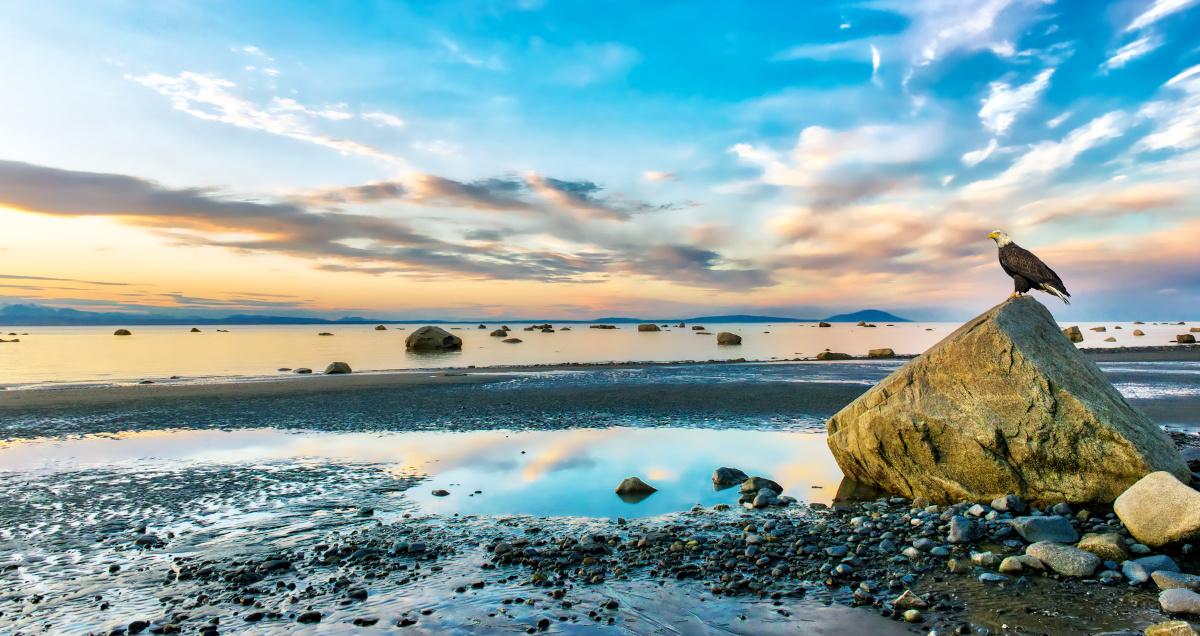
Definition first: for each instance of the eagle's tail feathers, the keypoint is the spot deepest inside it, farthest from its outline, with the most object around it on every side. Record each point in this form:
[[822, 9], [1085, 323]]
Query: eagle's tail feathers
[[1050, 289]]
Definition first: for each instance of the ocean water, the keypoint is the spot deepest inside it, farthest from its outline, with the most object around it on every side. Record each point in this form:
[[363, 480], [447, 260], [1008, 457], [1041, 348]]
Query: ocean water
[[94, 354]]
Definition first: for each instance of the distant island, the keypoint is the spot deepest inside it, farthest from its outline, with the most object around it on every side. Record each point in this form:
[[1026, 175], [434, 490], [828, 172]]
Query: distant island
[[40, 315]]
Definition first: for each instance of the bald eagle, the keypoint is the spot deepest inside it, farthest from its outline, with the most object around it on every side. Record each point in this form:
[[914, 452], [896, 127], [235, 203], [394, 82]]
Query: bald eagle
[[1027, 271]]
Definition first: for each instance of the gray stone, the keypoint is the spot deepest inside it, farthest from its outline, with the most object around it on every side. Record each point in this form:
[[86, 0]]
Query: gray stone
[[1134, 573], [1179, 601], [1010, 503], [1158, 562], [725, 476], [755, 484], [430, 338], [1054, 528], [1064, 559], [1167, 580], [1005, 404], [634, 486], [1159, 509], [992, 577], [963, 530], [336, 368]]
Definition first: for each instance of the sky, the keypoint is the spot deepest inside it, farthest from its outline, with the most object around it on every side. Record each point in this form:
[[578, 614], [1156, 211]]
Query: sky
[[554, 159]]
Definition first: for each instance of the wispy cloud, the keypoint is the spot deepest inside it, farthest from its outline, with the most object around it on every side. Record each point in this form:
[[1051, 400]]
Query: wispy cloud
[[212, 98], [1005, 102], [975, 157], [1049, 157], [1176, 118], [1131, 51], [372, 244], [1158, 10]]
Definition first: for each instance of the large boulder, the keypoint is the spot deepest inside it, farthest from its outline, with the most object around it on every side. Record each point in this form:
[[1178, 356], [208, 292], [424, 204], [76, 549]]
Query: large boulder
[[726, 338], [1073, 334], [431, 338], [648, 328], [1005, 404], [1159, 509], [336, 368]]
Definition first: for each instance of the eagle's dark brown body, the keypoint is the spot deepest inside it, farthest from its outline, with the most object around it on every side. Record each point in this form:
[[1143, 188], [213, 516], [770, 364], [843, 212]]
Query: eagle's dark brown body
[[1029, 272]]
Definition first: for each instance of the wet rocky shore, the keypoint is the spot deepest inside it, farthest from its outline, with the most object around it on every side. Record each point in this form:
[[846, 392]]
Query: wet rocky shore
[[968, 568]]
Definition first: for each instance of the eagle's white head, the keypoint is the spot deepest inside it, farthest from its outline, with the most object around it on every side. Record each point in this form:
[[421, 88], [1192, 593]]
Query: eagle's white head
[[1000, 238]]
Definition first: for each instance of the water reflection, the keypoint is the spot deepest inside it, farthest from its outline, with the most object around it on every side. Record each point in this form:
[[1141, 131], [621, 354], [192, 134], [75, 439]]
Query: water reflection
[[552, 473]]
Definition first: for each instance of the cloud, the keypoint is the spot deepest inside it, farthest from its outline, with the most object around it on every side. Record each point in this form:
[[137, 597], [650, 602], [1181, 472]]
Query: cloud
[[696, 266], [1048, 157], [1130, 52], [1109, 202], [940, 28], [821, 151], [1177, 118], [211, 98], [1005, 103], [1058, 121], [976, 157], [383, 119], [876, 58], [456, 53], [64, 280], [377, 245], [1158, 10], [656, 175]]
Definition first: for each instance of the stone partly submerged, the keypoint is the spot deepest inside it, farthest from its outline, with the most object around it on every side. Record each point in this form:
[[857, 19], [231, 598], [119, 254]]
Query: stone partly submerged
[[727, 338], [431, 338], [1005, 404]]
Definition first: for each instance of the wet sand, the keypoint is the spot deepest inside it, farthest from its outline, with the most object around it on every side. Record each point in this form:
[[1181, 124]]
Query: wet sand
[[164, 392]]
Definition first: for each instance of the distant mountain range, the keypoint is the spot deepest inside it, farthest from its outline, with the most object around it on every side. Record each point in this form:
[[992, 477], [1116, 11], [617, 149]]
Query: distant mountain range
[[23, 314]]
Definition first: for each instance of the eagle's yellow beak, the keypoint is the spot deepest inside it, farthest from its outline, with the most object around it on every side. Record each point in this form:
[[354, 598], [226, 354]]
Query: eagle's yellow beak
[[993, 235]]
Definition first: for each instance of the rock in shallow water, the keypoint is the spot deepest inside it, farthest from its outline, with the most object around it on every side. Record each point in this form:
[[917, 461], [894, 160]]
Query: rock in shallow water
[[1109, 546], [1054, 528], [1168, 580], [950, 424], [724, 477], [1179, 601], [634, 486], [1064, 559], [755, 484], [1170, 628], [430, 338]]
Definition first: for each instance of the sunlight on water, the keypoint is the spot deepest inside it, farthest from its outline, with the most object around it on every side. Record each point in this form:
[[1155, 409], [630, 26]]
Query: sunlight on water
[[93, 354], [554, 473]]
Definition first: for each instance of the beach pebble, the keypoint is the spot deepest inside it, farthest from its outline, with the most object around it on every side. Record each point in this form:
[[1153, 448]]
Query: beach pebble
[[963, 530], [1167, 580], [1109, 546], [1054, 528], [1179, 601], [1064, 559]]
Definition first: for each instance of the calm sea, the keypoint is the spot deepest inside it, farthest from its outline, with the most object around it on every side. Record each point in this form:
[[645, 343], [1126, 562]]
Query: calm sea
[[94, 354]]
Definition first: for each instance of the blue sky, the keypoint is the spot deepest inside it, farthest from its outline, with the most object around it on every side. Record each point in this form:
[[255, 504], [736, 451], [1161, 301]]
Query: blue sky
[[566, 158]]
